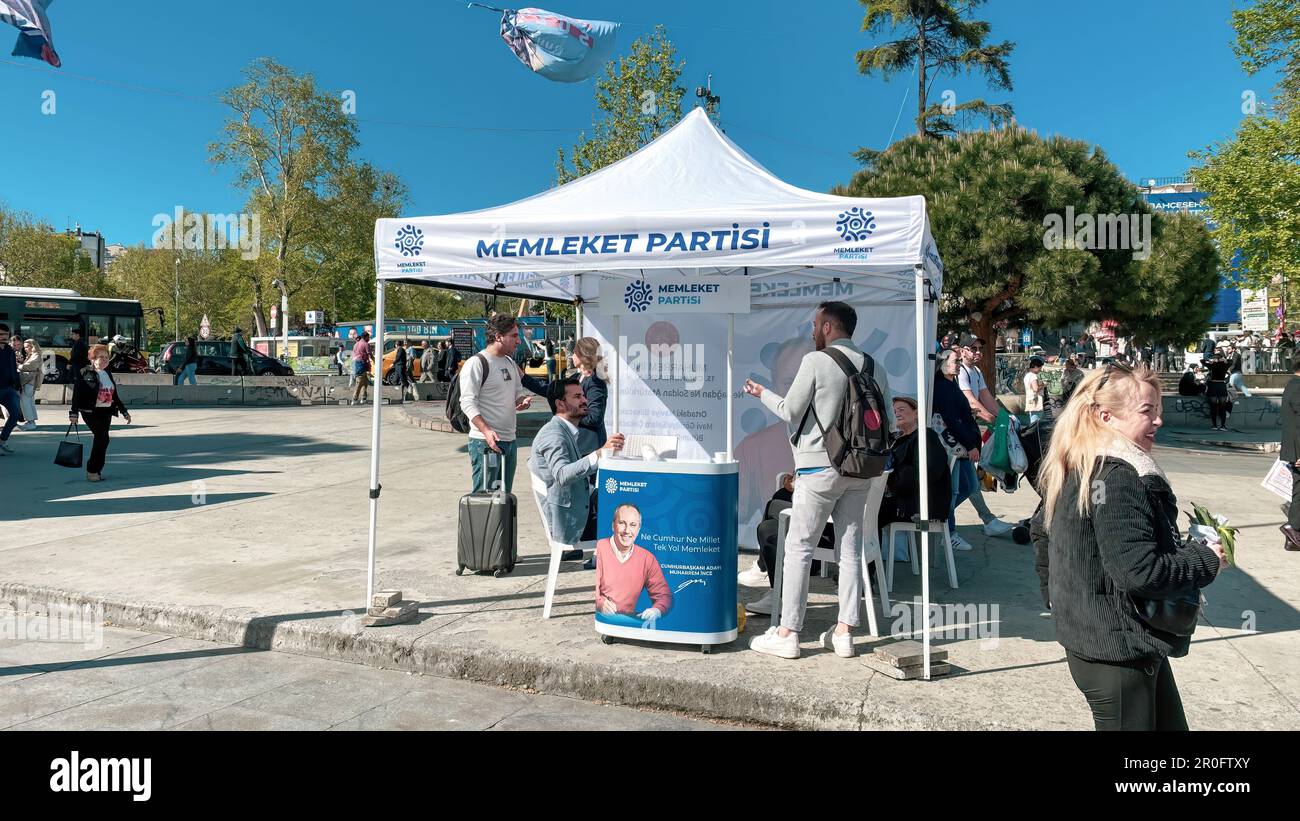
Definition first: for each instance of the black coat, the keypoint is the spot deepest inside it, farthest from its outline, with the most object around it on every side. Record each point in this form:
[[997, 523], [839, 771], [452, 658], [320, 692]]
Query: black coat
[[905, 480], [1291, 421], [79, 356], [593, 387], [85, 392], [1125, 543]]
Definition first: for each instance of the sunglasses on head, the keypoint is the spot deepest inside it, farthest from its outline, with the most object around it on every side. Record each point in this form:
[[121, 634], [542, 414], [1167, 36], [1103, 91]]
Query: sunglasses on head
[[1110, 367]]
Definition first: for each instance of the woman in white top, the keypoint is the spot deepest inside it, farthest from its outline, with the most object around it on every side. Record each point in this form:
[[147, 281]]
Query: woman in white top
[[1034, 390]]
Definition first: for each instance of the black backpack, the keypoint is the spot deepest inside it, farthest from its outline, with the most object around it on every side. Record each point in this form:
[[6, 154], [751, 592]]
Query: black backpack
[[858, 442], [459, 421]]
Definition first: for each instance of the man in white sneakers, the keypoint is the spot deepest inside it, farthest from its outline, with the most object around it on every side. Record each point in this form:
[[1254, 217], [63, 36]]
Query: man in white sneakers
[[821, 492], [491, 393]]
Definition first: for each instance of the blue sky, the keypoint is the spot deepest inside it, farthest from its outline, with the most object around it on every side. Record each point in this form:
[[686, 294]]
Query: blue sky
[[1147, 80]]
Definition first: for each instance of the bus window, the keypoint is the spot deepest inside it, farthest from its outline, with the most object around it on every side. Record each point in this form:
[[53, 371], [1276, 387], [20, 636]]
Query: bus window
[[97, 328], [49, 333], [127, 326]]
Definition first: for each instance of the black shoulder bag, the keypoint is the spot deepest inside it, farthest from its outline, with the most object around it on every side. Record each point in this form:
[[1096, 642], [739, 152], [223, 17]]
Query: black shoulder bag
[[1177, 615], [69, 455]]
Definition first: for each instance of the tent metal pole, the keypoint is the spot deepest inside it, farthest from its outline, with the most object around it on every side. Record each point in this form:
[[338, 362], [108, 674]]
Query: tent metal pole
[[618, 370], [923, 423], [378, 358], [731, 336]]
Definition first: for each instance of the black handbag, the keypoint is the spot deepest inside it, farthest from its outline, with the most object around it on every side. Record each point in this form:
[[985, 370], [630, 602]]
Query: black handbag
[[69, 455], [1177, 615]]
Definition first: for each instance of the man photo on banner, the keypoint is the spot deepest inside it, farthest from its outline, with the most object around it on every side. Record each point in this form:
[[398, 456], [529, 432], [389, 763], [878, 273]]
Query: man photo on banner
[[624, 569]]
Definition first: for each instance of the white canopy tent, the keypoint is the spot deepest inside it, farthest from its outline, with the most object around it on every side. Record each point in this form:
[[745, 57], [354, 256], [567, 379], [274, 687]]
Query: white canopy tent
[[691, 203]]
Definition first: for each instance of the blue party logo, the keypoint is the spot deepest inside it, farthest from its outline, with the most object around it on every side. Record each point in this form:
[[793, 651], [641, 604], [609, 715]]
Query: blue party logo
[[410, 240], [637, 296], [855, 224]]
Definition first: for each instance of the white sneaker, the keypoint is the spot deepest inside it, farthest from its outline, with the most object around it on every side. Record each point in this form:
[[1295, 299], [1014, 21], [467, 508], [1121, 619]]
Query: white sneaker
[[773, 645], [842, 645], [753, 577], [996, 527], [958, 543], [762, 607]]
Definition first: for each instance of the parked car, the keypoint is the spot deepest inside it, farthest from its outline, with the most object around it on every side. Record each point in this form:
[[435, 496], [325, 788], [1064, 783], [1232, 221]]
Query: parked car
[[215, 360]]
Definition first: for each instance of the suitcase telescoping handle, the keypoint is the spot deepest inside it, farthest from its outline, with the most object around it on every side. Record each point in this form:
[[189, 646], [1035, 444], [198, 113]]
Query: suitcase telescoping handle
[[496, 460]]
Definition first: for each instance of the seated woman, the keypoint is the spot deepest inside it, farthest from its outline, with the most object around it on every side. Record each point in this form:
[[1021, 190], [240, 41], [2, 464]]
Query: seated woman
[[767, 533], [1188, 385], [902, 498]]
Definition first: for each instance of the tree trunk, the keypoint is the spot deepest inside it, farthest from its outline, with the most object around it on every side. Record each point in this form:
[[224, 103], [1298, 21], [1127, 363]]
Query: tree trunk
[[920, 81], [988, 364]]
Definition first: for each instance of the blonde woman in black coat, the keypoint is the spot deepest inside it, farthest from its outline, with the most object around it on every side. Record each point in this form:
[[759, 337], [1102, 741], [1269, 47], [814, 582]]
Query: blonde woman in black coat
[[1110, 552]]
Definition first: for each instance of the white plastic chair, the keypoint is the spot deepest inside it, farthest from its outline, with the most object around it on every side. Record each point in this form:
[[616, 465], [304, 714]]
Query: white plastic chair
[[870, 554], [911, 529], [557, 548]]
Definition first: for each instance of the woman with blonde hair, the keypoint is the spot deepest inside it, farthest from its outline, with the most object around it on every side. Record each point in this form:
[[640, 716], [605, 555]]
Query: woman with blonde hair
[[591, 430], [1122, 584], [31, 377]]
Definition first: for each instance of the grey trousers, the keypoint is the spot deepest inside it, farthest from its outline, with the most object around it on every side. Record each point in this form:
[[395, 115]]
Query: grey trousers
[[818, 497]]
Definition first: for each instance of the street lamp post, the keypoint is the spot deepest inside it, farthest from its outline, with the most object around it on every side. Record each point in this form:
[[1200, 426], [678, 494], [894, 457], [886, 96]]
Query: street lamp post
[[176, 317]]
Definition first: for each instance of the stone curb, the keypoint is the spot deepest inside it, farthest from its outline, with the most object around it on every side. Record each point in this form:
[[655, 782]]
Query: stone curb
[[337, 638]]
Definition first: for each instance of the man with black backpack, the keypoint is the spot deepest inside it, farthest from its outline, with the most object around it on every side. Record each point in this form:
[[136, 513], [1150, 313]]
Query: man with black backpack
[[840, 416], [484, 399]]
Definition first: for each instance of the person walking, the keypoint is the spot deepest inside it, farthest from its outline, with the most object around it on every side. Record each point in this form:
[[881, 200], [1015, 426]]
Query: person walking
[[429, 363], [491, 394], [957, 421], [1291, 453], [95, 397], [1035, 390], [813, 402], [453, 362], [970, 380], [1206, 349], [399, 367], [190, 364], [1236, 379], [1160, 351], [239, 358], [339, 358], [1109, 552], [1216, 393], [31, 379], [79, 355], [10, 387], [361, 368]]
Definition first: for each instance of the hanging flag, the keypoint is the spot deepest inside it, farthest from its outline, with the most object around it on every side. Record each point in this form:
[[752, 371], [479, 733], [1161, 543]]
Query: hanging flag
[[34, 38], [558, 48]]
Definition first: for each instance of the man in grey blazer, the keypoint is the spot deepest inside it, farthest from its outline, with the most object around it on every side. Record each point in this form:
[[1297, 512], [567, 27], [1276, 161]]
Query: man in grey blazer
[[568, 473]]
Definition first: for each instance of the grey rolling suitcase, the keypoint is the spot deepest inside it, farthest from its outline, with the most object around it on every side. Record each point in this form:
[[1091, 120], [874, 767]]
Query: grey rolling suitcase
[[487, 530]]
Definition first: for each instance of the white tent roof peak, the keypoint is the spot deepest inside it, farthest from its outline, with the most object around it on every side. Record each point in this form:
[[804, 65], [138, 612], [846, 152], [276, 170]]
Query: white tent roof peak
[[690, 167]]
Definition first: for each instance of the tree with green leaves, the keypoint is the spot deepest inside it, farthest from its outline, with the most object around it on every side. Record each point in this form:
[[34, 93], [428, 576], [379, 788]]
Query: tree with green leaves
[[639, 98], [1252, 181], [286, 139], [34, 255], [991, 197], [937, 39], [1268, 35]]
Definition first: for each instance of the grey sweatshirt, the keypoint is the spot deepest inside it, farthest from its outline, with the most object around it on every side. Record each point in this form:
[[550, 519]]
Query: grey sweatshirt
[[821, 383]]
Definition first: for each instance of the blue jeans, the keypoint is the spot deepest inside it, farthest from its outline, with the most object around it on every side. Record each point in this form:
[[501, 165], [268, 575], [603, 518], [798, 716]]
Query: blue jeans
[[963, 485], [187, 374], [9, 398], [483, 476]]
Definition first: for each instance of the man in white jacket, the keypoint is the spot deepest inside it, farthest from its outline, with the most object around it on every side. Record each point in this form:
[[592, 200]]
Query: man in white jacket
[[821, 493]]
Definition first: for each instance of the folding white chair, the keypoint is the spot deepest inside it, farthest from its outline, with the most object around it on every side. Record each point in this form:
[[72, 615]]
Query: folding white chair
[[912, 529], [557, 548]]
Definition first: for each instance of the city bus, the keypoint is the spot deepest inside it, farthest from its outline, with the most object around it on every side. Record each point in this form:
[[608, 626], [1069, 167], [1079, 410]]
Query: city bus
[[49, 314]]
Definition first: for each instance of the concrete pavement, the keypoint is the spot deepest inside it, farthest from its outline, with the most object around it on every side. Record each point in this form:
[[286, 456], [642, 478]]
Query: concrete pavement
[[248, 526], [131, 680]]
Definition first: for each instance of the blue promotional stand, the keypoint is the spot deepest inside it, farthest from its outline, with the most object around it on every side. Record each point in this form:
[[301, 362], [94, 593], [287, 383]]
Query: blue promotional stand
[[687, 514]]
